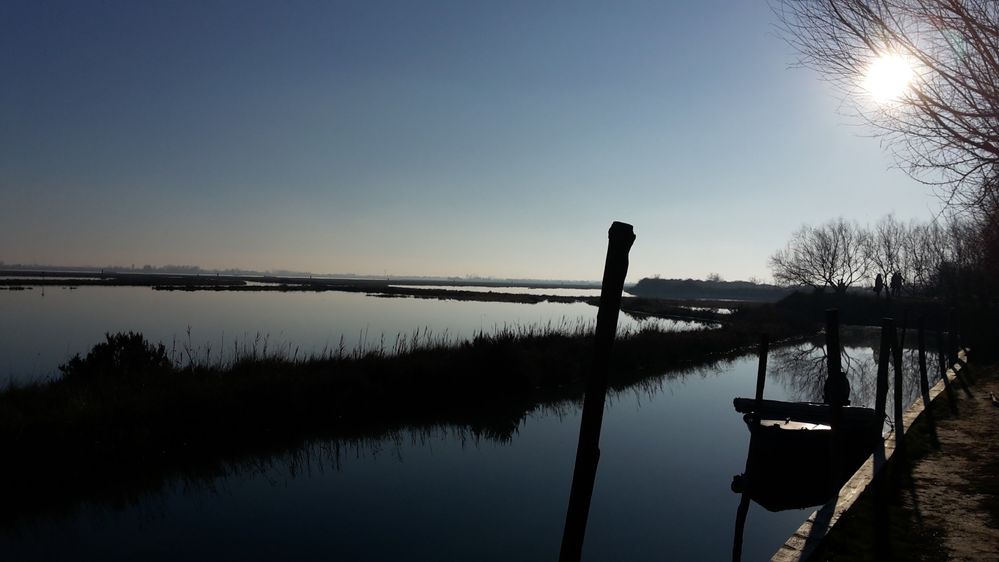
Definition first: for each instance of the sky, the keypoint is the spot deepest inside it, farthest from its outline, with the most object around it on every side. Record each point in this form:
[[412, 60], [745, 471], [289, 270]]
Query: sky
[[422, 137]]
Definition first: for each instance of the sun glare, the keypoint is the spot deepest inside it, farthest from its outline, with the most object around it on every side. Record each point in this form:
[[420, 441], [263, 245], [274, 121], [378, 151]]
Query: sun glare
[[888, 78]]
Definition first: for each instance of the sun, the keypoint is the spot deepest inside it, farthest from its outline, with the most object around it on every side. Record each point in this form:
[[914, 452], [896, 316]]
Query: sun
[[888, 78]]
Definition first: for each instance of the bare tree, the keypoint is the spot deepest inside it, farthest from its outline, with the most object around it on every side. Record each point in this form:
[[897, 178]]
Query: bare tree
[[886, 250], [925, 247], [834, 254], [944, 128]]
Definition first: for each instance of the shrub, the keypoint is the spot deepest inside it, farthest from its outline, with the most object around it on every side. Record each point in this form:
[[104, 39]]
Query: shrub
[[122, 357]]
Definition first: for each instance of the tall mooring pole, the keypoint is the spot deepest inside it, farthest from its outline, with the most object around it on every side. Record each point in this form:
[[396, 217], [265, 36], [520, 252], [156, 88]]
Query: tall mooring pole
[[621, 236]]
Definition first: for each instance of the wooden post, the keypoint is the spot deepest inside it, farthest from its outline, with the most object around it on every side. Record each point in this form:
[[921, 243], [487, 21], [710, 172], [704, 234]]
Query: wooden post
[[761, 379], [761, 372], [959, 345], [951, 339], [924, 381], [899, 425], [958, 332], [882, 548], [884, 359], [743, 509], [621, 237], [904, 328], [836, 395], [833, 364], [952, 355], [924, 384], [942, 361]]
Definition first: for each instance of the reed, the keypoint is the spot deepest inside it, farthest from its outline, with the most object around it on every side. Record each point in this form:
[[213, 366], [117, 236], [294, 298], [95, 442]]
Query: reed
[[130, 407]]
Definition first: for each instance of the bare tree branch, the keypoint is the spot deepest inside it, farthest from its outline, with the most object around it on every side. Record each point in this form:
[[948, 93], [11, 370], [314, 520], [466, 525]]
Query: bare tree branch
[[944, 131], [834, 255]]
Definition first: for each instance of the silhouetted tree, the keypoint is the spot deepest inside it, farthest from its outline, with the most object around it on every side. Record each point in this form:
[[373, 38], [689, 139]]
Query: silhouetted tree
[[925, 247], [944, 129], [835, 254], [886, 250]]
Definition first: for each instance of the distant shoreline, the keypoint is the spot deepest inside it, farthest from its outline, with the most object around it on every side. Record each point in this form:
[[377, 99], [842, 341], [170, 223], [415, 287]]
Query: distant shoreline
[[690, 309], [139, 278]]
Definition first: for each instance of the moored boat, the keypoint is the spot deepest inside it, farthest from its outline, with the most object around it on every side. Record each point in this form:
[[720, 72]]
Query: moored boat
[[791, 466]]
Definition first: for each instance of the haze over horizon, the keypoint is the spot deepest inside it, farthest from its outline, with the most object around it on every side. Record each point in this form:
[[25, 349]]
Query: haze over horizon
[[439, 139]]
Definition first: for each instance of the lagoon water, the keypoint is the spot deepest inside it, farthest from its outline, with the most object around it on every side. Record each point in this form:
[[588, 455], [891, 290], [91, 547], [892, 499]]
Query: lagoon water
[[40, 329], [669, 451], [560, 292], [670, 447]]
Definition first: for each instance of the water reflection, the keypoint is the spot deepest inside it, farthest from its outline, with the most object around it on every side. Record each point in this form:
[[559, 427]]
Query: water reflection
[[670, 445], [556, 291], [792, 474], [802, 368], [669, 450], [38, 334], [650, 426]]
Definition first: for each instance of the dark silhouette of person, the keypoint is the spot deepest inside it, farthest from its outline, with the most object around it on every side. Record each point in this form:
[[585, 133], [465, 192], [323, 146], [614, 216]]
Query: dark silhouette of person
[[896, 284], [879, 283]]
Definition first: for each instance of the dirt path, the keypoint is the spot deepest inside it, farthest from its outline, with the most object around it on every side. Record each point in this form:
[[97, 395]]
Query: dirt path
[[946, 505], [955, 488]]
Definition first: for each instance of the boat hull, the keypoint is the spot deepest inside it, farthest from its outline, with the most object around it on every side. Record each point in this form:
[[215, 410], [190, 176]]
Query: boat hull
[[791, 464]]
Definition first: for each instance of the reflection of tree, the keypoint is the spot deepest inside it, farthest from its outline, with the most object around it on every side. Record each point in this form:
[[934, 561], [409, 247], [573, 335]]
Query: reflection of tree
[[801, 370]]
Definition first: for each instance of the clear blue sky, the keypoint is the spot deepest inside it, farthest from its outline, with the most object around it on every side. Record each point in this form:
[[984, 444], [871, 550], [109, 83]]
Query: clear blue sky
[[421, 137]]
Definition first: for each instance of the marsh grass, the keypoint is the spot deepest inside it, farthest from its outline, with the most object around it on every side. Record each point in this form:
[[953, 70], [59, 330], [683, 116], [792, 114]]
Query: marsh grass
[[131, 410]]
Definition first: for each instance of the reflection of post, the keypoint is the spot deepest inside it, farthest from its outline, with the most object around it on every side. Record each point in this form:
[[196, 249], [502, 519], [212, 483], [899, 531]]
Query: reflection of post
[[588, 450]]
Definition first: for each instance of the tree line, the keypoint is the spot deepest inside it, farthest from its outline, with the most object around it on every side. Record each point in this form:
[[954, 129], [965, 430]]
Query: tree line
[[934, 258]]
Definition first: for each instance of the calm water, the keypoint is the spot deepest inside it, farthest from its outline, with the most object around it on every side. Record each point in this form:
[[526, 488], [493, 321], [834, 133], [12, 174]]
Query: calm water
[[669, 451], [670, 447], [40, 331], [515, 290]]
